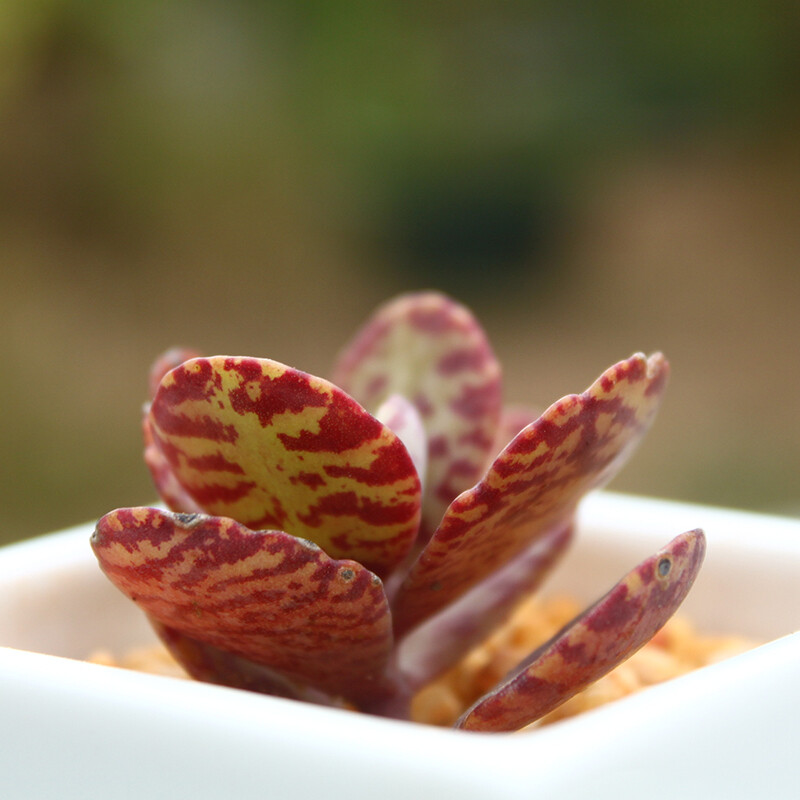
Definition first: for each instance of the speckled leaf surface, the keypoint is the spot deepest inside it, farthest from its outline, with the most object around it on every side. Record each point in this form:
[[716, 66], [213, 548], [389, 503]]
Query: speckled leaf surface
[[265, 596], [534, 485], [167, 361], [513, 419], [273, 447], [431, 350], [592, 645], [167, 485], [207, 663], [169, 489]]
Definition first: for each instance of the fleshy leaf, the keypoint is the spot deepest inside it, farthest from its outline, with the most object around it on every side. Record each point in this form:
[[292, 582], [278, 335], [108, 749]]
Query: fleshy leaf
[[165, 362], [265, 596], [207, 663], [438, 644], [273, 447], [431, 350], [597, 641], [513, 419], [534, 485], [167, 486]]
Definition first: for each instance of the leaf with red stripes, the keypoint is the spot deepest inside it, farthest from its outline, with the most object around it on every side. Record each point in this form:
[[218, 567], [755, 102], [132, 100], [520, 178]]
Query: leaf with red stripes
[[534, 485], [207, 663], [169, 490], [513, 418], [265, 596], [164, 363], [594, 643], [167, 486], [273, 447], [430, 349]]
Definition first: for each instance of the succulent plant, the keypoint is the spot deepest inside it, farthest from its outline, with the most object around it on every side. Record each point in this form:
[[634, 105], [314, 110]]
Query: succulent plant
[[316, 551]]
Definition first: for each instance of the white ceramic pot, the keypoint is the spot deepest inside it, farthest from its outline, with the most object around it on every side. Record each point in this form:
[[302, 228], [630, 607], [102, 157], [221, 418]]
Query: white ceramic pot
[[73, 729]]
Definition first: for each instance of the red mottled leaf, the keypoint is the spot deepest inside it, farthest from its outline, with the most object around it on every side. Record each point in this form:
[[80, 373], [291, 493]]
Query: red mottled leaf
[[597, 641], [534, 485], [166, 362], [273, 447], [264, 596], [431, 350], [209, 664], [167, 486], [513, 419], [442, 641]]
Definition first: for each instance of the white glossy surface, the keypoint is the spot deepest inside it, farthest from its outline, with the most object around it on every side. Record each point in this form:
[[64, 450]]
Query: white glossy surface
[[68, 728]]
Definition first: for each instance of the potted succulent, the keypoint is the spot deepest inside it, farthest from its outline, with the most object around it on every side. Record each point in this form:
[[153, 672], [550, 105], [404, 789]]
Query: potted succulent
[[315, 551]]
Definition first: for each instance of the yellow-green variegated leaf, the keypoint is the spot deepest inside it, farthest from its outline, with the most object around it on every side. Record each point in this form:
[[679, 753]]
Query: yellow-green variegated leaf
[[428, 348], [273, 447]]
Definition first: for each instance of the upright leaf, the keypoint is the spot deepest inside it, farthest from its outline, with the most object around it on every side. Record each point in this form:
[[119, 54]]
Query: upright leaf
[[534, 485], [431, 350], [273, 447], [167, 485], [167, 361]]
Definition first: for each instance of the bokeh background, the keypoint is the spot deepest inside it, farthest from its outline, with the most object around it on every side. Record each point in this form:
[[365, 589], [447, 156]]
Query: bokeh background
[[251, 177]]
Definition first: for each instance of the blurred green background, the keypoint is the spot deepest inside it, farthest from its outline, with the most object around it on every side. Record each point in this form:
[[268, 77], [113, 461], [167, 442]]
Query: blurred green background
[[243, 177]]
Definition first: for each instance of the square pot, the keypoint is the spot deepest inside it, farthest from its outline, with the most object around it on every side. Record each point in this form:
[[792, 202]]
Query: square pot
[[70, 728]]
